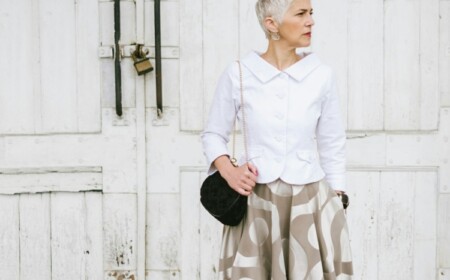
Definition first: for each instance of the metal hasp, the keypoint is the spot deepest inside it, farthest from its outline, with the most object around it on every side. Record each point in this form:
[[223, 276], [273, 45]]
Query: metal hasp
[[159, 100], [117, 57]]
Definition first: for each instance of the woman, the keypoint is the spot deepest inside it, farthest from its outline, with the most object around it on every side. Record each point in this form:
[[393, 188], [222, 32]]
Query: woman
[[295, 227]]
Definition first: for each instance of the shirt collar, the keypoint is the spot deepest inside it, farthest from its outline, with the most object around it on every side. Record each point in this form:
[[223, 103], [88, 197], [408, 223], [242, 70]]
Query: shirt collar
[[264, 71]]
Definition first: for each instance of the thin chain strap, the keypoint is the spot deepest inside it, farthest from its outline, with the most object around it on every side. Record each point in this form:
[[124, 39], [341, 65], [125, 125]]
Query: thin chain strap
[[244, 128]]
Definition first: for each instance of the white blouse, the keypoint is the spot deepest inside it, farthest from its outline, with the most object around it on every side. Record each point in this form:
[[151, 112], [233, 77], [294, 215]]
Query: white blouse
[[294, 126]]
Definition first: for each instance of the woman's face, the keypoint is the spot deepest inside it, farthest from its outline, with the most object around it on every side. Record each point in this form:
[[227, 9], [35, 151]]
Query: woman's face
[[296, 26]]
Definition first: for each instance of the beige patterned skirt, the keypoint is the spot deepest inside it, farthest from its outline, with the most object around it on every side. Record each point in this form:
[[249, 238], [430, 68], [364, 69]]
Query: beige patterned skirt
[[290, 232]]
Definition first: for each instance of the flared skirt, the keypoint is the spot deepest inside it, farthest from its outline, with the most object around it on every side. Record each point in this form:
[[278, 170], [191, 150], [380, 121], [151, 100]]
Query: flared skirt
[[289, 232]]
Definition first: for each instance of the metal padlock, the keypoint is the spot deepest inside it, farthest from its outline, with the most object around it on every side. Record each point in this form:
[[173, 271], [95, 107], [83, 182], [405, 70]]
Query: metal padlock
[[141, 61]]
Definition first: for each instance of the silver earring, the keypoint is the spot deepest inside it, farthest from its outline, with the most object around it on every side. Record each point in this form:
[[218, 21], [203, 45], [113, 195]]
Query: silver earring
[[275, 36]]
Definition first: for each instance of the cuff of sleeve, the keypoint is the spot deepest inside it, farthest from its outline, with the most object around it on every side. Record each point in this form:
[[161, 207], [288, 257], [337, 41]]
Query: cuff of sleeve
[[337, 183], [212, 156]]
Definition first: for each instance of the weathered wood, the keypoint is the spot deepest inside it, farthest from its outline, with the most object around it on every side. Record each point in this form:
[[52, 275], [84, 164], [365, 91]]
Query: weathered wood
[[68, 217], [88, 66], [93, 253], [444, 274], [141, 154], [373, 147], [330, 42], [443, 250], [413, 150], [425, 232], [9, 237], [363, 222], [402, 47], [180, 149], [35, 246], [365, 66], [444, 151], [411, 92], [119, 232], [444, 52], [114, 150], [191, 65], [58, 66], [163, 232], [17, 68], [170, 84], [190, 224], [128, 37], [170, 23], [55, 180], [220, 43], [210, 243], [396, 226], [429, 64]]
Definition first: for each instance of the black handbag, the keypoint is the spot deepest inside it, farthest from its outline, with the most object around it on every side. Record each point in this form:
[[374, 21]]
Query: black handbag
[[216, 196], [221, 201]]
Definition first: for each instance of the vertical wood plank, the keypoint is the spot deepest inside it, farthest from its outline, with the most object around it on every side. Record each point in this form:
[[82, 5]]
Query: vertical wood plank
[[425, 233], [191, 65], [163, 231], [58, 66], [35, 247], [17, 83], [68, 229], [220, 43], [402, 47], [106, 11], [127, 22], [444, 52], [429, 64], [88, 66], [363, 221], [128, 37], [444, 231], [120, 231], [170, 85], [210, 243], [365, 47], [9, 237], [94, 235], [396, 226], [170, 23], [330, 42], [190, 225]]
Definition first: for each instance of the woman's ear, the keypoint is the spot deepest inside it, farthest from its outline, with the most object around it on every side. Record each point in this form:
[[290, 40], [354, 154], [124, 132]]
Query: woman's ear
[[271, 25]]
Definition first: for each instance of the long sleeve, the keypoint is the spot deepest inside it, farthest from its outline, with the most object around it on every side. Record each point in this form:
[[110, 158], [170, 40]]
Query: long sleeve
[[220, 122], [331, 139]]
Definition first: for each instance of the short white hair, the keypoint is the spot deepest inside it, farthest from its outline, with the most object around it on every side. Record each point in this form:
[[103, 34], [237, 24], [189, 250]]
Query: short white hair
[[271, 8]]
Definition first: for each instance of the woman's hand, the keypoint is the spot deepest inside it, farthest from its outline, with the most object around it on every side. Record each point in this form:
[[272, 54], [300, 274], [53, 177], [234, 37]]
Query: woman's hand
[[242, 179]]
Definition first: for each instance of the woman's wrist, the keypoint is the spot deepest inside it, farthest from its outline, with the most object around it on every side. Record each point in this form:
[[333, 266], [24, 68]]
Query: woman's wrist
[[223, 165]]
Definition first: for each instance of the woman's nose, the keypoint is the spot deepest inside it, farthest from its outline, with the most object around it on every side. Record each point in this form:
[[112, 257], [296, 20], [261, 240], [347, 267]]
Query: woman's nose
[[310, 21]]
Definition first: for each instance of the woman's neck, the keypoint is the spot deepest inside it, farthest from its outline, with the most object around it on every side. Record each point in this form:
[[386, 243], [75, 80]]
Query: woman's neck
[[280, 56]]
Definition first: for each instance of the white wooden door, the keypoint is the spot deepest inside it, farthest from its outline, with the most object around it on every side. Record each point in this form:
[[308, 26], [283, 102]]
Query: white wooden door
[[68, 165], [87, 195], [392, 60]]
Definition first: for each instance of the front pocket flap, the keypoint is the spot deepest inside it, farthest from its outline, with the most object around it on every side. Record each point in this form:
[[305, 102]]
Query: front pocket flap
[[308, 156]]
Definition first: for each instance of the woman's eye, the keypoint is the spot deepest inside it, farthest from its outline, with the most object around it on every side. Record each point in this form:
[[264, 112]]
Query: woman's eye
[[303, 13]]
